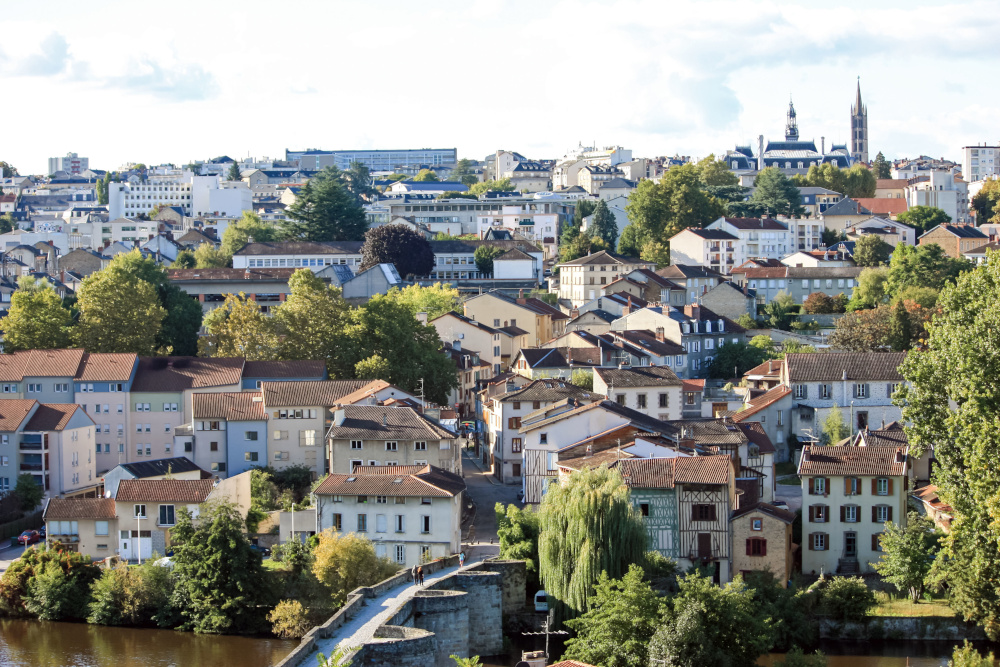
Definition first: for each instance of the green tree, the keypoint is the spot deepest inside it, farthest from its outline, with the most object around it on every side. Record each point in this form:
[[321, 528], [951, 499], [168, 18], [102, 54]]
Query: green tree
[[922, 266], [58, 593], [463, 173], [374, 367], [863, 330], [101, 188], [870, 250], [826, 175], [8, 170], [778, 312], [619, 623], [732, 360], [711, 626], [774, 193], [395, 177], [871, 289], [716, 173], [847, 599], [517, 530], [484, 256], [588, 526], [834, 429], [583, 379], [400, 246], [325, 210], [967, 656], [240, 232], [481, 188], [882, 168], [237, 328], [923, 218], [289, 619], [119, 312], [220, 579], [313, 323], [604, 225], [185, 260], [425, 175], [907, 554], [345, 561], [661, 210], [28, 491], [234, 172], [985, 204], [36, 319], [125, 595], [952, 402], [900, 336], [581, 245], [359, 181], [435, 300], [581, 209], [7, 223], [860, 181], [207, 257], [796, 657]]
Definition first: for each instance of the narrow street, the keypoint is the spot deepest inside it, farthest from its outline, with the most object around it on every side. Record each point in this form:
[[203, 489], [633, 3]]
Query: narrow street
[[484, 491]]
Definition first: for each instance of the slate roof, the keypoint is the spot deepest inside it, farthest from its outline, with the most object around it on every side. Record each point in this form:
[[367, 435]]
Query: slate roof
[[101, 509], [765, 508], [550, 357], [755, 433], [598, 313], [377, 422], [158, 467], [831, 366], [326, 393], [174, 374], [855, 461], [847, 206], [231, 406], [639, 376], [513, 331], [470, 246], [285, 369], [639, 420], [53, 417], [684, 271], [302, 248], [432, 482], [164, 490], [513, 254], [756, 223], [961, 231], [710, 234], [603, 257], [713, 432], [646, 340], [13, 412], [892, 435], [469, 321], [595, 460]]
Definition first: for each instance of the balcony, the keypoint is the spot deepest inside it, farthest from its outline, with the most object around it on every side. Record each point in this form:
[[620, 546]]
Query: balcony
[[30, 446], [31, 467], [186, 429]]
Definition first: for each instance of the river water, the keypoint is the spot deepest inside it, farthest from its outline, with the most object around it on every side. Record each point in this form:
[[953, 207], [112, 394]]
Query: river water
[[45, 644]]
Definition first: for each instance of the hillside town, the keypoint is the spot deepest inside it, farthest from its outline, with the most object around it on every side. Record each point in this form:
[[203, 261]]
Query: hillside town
[[600, 406]]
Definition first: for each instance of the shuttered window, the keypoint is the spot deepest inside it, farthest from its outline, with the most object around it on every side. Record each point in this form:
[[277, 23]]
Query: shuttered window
[[756, 546]]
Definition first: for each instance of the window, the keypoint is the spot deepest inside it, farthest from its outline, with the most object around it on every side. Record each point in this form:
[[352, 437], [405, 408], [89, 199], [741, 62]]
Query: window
[[139, 511], [425, 550], [641, 401], [250, 435], [400, 523], [362, 500], [380, 523], [825, 391], [514, 422], [381, 500], [356, 444], [213, 446], [876, 542], [362, 523], [218, 467], [819, 513], [689, 398], [250, 456], [425, 523], [517, 405], [800, 391], [166, 515], [664, 400], [166, 428], [390, 446], [620, 399], [644, 509], [535, 405], [543, 438], [515, 445], [425, 501], [756, 546], [33, 388], [881, 513], [817, 486], [756, 524], [401, 553], [818, 542], [101, 528], [337, 523], [703, 512], [420, 446], [891, 388], [400, 500], [882, 486], [861, 390], [849, 513]]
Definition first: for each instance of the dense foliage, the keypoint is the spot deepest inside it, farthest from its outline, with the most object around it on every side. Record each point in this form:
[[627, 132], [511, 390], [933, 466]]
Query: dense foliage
[[344, 561], [400, 246], [325, 209], [517, 530], [36, 319], [907, 554]]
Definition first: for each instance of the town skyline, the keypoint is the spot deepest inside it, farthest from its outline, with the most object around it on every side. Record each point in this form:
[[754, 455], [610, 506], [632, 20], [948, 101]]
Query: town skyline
[[684, 83]]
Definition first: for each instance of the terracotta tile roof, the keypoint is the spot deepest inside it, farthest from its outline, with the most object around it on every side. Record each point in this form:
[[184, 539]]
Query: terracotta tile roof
[[377, 422], [639, 376], [362, 393], [548, 391], [765, 508], [164, 490], [693, 385], [106, 367], [53, 416], [229, 405], [883, 205], [325, 393], [890, 183], [79, 508], [53, 363], [431, 482], [12, 366], [285, 369], [711, 431], [13, 412], [849, 460], [175, 374], [769, 367], [929, 495], [669, 472], [760, 402], [703, 469], [831, 366]]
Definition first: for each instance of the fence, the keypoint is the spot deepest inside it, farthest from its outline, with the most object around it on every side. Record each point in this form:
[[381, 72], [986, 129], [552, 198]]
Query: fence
[[12, 528]]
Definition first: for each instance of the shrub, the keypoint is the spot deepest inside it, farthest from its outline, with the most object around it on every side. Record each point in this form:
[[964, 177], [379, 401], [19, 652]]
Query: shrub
[[14, 584], [59, 594], [289, 620], [847, 599]]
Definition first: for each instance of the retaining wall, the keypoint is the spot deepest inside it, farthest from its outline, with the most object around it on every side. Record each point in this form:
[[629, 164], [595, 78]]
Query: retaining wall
[[899, 627]]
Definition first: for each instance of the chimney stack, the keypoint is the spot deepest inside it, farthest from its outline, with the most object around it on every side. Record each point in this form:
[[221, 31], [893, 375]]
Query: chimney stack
[[659, 334]]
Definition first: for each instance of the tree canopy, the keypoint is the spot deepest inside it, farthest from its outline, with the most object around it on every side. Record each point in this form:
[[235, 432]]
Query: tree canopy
[[400, 246], [881, 167], [604, 225], [481, 188], [922, 266], [574, 547], [484, 256], [774, 193], [923, 218], [871, 250], [907, 554], [986, 203], [425, 175], [36, 319], [732, 360], [346, 561], [239, 329], [325, 209], [462, 172], [435, 300], [234, 172], [240, 232], [856, 181]]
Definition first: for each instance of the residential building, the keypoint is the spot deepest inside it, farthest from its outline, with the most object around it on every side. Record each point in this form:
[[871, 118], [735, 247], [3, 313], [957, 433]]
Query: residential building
[[541, 321], [434, 188], [940, 189], [759, 238], [375, 160], [774, 410], [799, 282], [195, 195], [696, 280], [85, 525], [235, 425], [648, 286], [890, 188], [980, 162], [616, 188], [555, 363], [730, 300], [385, 435], [846, 213], [714, 249], [178, 467], [955, 240], [267, 287], [493, 345], [537, 219], [762, 540], [502, 415], [412, 513], [817, 200], [890, 231], [71, 163], [865, 487], [580, 280], [593, 177], [455, 260], [652, 390], [883, 207], [746, 443]]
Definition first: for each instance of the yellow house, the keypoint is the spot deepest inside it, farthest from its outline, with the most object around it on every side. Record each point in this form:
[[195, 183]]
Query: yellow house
[[86, 525], [541, 321], [762, 540]]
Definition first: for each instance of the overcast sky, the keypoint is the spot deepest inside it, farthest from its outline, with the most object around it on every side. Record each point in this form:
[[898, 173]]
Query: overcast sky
[[178, 81]]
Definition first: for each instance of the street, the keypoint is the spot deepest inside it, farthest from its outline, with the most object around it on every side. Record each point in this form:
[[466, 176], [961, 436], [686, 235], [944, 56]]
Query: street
[[485, 491], [790, 494], [8, 555]]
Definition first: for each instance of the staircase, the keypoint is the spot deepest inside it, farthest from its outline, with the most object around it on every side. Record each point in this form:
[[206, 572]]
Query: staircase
[[848, 566]]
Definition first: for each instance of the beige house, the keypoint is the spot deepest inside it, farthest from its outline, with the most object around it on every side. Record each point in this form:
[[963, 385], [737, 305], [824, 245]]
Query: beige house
[[541, 321], [581, 280], [466, 333], [86, 525], [652, 390], [762, 540]]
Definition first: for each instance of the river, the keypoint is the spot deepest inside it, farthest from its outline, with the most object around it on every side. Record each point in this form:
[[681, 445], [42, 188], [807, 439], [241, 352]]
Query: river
[[46, 644]]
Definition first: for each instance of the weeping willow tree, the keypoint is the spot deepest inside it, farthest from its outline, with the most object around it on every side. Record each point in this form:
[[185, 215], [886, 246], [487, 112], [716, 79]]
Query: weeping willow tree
[[587, 526]]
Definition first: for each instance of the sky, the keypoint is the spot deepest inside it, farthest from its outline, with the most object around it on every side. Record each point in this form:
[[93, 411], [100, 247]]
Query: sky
[[179, 81]]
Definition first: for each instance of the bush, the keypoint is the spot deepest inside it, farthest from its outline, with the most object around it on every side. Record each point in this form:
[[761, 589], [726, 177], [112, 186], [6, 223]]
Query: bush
[[15, 582], [289, 620], [58, 594], [847, 599], [28, 491], [968, 656]]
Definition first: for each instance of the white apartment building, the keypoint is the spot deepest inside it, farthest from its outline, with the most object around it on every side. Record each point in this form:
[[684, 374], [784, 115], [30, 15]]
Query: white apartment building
[[194, 195], [580, 280], [758, 238], [535, 220], [980, 162], [943, 190], [71, 164]]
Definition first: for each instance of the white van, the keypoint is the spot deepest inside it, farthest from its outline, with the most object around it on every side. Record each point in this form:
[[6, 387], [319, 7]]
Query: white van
[[541, 601]]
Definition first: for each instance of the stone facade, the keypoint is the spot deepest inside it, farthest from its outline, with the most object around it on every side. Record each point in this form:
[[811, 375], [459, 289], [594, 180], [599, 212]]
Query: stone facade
[[774, 537]]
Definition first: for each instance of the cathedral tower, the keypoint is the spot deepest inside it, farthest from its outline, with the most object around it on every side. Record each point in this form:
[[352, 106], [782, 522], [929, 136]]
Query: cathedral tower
[[859, 129], [791, 124]]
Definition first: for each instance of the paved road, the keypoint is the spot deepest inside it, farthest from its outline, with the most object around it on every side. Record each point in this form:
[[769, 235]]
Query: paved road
[[8, 555], [790, 494], [485, 491]]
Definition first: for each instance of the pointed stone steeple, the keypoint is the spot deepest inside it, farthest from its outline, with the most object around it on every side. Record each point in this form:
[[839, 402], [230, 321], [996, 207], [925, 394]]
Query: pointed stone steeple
[[859, 128]]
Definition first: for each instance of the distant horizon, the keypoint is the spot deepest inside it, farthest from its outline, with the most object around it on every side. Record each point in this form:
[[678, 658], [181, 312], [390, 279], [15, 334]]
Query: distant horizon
[[203, 80]]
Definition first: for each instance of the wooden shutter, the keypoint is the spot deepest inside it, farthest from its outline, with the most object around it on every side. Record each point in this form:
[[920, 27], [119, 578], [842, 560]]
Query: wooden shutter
[[711, 512], [874, 486], [812, 486], [875, 514], [810, 540], [812, 513], [763, 547], [843, 514], [890, 485], [750, 547], [847, 487], [875, 542], [826, 486], [888, 517]]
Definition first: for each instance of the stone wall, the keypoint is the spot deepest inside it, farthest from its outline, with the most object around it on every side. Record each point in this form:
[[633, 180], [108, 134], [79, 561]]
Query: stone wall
[[485, 617], [394, 646], [898, 627], [446, 614], [513, 585]]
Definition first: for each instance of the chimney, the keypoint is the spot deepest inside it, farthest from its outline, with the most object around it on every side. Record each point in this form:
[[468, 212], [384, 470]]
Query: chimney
[[338, 415], [822, 145], [520, 293], [457, 345], [574, 313], [659, 334], [746, 287], [385, 419], [693, 310]]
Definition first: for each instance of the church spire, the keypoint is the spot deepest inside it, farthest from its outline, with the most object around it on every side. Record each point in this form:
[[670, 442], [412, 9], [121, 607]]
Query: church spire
[[859, 128], [858, 106], [791, 124]]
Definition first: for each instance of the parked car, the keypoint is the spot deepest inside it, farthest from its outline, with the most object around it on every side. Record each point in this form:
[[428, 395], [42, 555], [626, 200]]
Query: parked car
[[41, 533], [541, 601], [28, 537], [263, 551]]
